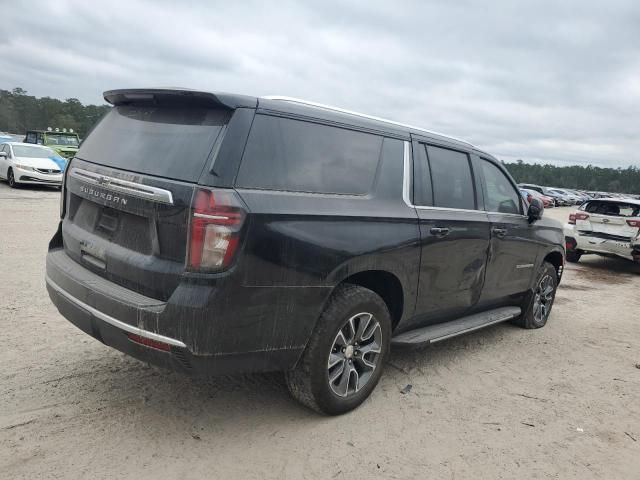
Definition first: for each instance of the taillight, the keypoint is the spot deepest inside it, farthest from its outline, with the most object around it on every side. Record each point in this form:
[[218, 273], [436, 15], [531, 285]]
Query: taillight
[[216, 220], [634, 223], [63, 195], [577, 216]]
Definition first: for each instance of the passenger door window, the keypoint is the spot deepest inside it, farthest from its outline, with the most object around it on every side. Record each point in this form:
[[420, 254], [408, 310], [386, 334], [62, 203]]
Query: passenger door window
[[501, 196], [451, 179]]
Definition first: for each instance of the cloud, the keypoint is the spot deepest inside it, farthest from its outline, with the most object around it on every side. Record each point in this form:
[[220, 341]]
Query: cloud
[[543, 81]]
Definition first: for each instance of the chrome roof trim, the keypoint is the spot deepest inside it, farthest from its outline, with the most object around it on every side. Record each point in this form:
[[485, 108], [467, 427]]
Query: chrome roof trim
[[362, 115]]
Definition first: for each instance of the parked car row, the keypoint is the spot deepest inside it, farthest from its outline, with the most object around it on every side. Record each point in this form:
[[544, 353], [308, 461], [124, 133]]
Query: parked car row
[[560, 197]]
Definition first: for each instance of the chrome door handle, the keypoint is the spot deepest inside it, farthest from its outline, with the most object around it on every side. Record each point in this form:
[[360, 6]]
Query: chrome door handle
[[499, 232], [439, 231]]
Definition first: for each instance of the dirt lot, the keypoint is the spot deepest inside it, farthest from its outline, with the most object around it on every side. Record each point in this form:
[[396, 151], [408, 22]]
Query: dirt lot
[[560, 402]]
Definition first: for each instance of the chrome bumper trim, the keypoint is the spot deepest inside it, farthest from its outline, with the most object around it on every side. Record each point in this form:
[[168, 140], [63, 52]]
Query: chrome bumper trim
[[112, 321]]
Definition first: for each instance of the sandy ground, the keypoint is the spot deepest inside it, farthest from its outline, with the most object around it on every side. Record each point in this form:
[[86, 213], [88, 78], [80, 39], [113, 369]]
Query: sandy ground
[[560, 402]]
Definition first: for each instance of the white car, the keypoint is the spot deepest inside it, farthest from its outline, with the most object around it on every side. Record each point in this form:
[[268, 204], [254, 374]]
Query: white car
[[28, 163], [606, 226]]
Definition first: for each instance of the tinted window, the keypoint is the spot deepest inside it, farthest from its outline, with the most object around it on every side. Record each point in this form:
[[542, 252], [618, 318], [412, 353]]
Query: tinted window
[[285, 154], [423, 193], [500, 194], [451, 179], [171, 142], [31, 137]]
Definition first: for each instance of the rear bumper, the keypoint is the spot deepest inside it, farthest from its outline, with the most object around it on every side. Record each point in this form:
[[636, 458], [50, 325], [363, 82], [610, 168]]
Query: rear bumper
[[588, 244], [110, 313]]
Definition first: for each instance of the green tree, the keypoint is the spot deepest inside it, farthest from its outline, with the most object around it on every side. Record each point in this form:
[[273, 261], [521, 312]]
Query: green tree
[[20, 112], [579, 177]]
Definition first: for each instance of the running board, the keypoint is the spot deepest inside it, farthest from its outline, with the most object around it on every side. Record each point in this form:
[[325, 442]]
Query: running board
[[442, 331]]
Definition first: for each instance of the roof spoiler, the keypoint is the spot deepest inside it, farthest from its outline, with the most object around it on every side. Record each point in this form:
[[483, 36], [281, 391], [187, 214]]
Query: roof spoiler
[[178, 96]]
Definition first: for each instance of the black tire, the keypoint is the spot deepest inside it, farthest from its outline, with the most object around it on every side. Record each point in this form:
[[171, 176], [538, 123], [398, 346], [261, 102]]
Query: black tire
[[11, 179], [309, 381], [532, 317], [573, 256]]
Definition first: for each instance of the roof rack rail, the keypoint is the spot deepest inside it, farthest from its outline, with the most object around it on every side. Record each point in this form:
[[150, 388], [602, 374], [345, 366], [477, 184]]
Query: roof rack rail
[[361, 115]]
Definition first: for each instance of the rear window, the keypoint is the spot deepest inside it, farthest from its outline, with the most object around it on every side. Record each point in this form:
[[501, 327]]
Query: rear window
[[298, 156], [172, 142], [616, 209]]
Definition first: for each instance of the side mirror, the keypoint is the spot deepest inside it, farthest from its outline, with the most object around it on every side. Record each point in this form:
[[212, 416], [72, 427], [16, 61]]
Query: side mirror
[[536, 209], [3, 154]]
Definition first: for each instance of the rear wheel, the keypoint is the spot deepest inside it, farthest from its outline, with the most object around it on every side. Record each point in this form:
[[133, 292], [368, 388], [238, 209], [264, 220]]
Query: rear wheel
[[343, 360], [573, 256], [11, 179], [539, 307]]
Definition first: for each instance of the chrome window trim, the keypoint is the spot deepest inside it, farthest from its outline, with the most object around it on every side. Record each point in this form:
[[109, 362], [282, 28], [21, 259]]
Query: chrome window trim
[[361, 115], [134, 189], [406, 187], [519, 215], [112, 321], [407, 182], [407, 177]]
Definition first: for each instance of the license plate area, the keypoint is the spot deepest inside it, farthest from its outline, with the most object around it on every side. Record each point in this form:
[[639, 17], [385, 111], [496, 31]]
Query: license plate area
[[121, 228]]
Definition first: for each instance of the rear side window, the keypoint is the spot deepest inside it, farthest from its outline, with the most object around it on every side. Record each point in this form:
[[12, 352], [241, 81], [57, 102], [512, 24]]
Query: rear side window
[[297, 156], [618, 209], [451, 179], [172, 142], [501, 195]]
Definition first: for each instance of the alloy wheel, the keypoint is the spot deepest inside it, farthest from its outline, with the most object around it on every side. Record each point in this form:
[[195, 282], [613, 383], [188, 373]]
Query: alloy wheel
[[355, 354], [543, 299]]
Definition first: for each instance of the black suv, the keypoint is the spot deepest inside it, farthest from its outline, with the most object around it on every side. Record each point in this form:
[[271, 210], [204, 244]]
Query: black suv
[[215, 233]]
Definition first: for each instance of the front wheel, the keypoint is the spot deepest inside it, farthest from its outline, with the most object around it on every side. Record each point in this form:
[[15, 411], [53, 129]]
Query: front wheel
[[11, 179], [343, 360], [541, 301]]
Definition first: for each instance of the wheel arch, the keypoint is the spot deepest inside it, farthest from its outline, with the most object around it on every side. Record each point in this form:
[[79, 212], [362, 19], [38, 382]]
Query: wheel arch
[[385, 284], [557, 259]]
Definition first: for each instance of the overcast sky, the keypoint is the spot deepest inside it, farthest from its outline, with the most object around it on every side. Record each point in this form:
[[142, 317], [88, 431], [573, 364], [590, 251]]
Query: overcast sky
[[549, 81]]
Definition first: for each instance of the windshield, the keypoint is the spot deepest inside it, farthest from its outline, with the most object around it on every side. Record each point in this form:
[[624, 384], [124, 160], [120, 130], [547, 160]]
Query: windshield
[[33, 152], [62, 140]]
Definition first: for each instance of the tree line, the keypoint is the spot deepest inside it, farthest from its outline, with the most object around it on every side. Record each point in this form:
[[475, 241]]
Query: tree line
[[20, 112], [616, 180]]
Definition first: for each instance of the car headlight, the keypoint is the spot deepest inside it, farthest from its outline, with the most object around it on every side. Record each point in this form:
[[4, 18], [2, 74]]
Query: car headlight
[[25, 167]]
